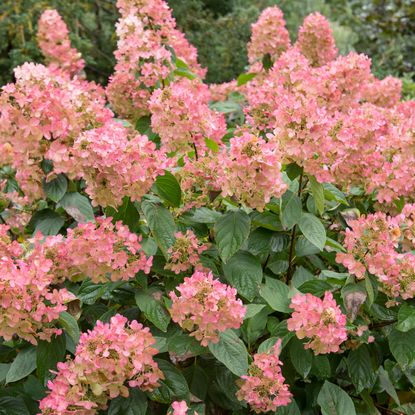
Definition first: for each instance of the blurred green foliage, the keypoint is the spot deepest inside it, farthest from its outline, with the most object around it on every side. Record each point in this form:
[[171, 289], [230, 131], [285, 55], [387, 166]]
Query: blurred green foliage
[[220, 29]]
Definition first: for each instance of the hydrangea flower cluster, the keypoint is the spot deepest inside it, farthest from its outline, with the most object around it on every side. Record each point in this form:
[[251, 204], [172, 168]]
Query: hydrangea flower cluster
[[206, 307], [8, 247], [53, 40], [251, 170], [146, 32], [320, 321], [180, 114], [179, 408], [101, 251], [115, 162], [28, 306], [44, 112], [382, 245], [269, 35], [264, 388], [185, 252], [316, 41], [106, 358]]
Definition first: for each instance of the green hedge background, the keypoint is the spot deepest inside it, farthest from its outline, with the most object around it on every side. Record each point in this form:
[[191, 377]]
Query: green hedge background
[[220, 29]]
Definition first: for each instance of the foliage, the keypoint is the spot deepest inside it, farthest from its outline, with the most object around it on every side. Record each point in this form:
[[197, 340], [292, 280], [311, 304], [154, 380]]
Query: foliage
[[170, 247]]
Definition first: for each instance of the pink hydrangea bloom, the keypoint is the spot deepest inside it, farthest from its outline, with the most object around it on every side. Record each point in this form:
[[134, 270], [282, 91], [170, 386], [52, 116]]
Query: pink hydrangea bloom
[[40, 116], [269, 35], [206, 307], [54, 43], [251, 170], [382, 245], [8, 247], [320, 321], [179, 408], [316, 41], [29, 307], [384, 93], [220, 92], [264, 388], [185, 252], [115, 162], [107, 359], [146, 33], [180, 114], [100, 251]]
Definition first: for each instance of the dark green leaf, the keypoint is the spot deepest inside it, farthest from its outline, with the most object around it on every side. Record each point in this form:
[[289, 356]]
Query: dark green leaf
[[244, 78], [153, 310], [315, 287], [23, 365], [168, 189], [317, 191], [162, 225], [10, 405], [70, 325], [361, 369], [48, 355], [313, 230], [77, 206], [402, 347], [276, 294], [231, 231], [244, 272], [127, 213], [135, 404], [406, 318], [301, 358], [290, 409], [333, 400], [231, 351], [56, 188], [47, 222], [291, 210]]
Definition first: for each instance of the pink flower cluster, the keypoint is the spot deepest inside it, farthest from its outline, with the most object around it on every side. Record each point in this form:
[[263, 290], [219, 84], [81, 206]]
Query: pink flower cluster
[[185, 252], [115, 162], [264, 388], [106, 358], [179, 408], [316, 41], [40, 116], [206, 307], [180, 114], [320, 321], [383, 246], [53, 39], [269, 35], [8, 247], [28, 306], [146, 32], [101, 251], [251, 170]]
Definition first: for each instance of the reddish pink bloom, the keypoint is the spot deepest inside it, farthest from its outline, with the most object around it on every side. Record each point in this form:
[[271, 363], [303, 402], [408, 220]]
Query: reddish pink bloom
[[100, 251], [185, 252], [269, 35], [53, 39], [179, 408], [251, 171], [264, 388], [107, 359], [206, 307], [316, 41], [320, 321]]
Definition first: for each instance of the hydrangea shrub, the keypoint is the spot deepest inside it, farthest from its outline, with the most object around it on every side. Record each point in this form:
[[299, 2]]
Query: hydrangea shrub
[[169, 247]]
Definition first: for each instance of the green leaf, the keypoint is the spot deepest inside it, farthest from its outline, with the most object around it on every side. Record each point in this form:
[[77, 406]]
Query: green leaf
[[231, 231], [23, 365], [315, 287], [205, 215], [134, 404], [276, 294], [47, 222], [386, 384], [253, 309], [77, 206], [244, 78], [182, 344], [168, 189], [48, 355], [291, 210], [162, 225], [360, 368], [244, 272], [291, 409], [143, 124], [172, 387], [127, 213], [70, 325], [10, 405], [402, 347], [197, 380], [153, 310], [56, 188], [317, 190], [321, 366], [313, 230], [213, 145], [332, 193], [333, 400], [185, 73], [303, 247], [406, 318], [231, 351], [301, 358]]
